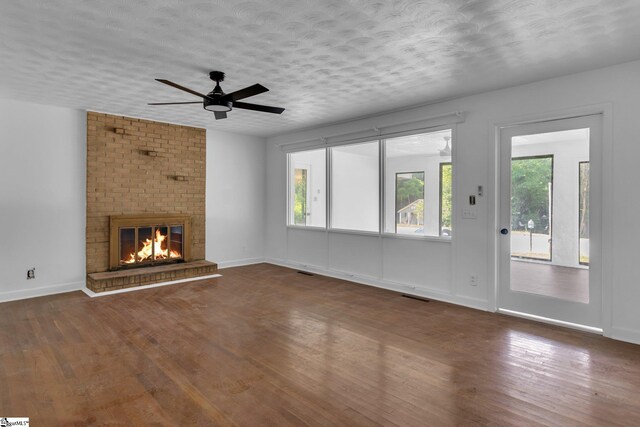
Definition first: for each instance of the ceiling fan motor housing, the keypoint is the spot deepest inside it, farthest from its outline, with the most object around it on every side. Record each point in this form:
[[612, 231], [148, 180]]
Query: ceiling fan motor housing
[[214, 101]]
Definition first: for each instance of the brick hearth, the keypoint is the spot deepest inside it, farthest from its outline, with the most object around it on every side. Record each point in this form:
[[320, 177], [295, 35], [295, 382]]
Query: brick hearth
[[113, 280]]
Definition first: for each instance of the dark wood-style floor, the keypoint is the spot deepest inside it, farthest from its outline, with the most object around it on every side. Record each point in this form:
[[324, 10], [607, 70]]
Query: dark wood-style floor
[[551, 280], [266, 346]]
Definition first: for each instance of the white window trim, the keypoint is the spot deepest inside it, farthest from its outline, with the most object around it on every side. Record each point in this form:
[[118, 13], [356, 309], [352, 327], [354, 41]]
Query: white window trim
[[441, 239], [356, 232], [306, 227]]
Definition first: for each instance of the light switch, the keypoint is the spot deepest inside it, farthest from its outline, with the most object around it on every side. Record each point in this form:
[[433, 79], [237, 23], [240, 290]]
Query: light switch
[[469, 213]]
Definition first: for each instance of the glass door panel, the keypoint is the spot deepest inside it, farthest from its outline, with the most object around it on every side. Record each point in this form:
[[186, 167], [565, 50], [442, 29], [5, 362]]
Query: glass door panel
[[545, 203], [176, 242], [145, 244]]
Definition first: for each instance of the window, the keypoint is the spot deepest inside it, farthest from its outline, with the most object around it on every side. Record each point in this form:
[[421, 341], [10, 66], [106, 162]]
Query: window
[[531, 207], [409, 202], [446, 183], [355, 187], [583, 212], [307, 185], [416, 186], [301, 202], [418, 182]]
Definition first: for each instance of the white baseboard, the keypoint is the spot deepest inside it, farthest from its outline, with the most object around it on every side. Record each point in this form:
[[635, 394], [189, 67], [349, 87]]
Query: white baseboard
[[139, 288], [40, 292], [623, 334], [542, 319], [385, 284], [240, 262]]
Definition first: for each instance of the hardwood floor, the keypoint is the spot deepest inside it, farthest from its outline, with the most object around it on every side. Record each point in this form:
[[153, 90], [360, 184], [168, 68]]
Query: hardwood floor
[[263, 345], [551, 280]]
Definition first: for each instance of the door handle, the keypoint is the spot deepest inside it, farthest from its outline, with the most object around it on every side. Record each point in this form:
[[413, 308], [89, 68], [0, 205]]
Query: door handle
[[504, 231]]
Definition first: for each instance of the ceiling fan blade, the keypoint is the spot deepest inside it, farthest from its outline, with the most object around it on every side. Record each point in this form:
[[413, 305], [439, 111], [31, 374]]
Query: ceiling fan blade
[[246, 92], [177, 86], [220, 115], [174, 103], [256, 107]]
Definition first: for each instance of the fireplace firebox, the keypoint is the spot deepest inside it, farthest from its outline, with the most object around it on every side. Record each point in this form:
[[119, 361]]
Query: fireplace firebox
[[142, 240]]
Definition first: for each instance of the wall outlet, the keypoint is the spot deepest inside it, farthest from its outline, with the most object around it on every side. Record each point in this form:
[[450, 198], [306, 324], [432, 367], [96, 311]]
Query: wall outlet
[[473, 280], [31, 273]]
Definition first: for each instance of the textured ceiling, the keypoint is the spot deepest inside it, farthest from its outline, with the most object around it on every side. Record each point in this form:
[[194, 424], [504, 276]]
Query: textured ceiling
[[323, 60]]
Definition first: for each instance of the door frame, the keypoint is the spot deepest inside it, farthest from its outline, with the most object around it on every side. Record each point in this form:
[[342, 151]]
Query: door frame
[[606, 153]]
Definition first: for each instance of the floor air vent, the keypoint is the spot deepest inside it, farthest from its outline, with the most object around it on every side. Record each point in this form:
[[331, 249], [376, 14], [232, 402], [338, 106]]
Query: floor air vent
[[306, 273], [415, 297]]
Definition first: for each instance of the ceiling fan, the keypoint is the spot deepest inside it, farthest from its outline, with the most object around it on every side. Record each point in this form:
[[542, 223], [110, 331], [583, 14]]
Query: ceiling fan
[[446, 151], [220, 102]]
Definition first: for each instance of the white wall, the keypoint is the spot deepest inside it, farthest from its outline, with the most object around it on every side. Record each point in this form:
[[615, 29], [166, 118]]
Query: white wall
[[43, 202], [471, 250], [235, 198], [42, 199]]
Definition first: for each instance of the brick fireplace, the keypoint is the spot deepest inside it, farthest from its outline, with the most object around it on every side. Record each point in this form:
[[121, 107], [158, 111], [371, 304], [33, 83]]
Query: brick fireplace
[[145, 202]]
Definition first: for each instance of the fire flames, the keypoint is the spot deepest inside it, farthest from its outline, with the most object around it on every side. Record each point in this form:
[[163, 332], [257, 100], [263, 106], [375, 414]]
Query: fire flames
[[153, 248]]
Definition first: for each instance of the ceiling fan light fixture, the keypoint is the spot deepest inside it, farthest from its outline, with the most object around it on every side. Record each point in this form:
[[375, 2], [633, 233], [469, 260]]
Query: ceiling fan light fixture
[[446, 151], [217, 105]]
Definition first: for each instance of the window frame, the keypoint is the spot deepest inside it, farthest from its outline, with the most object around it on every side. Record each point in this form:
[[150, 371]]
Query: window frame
[[382, 139]]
